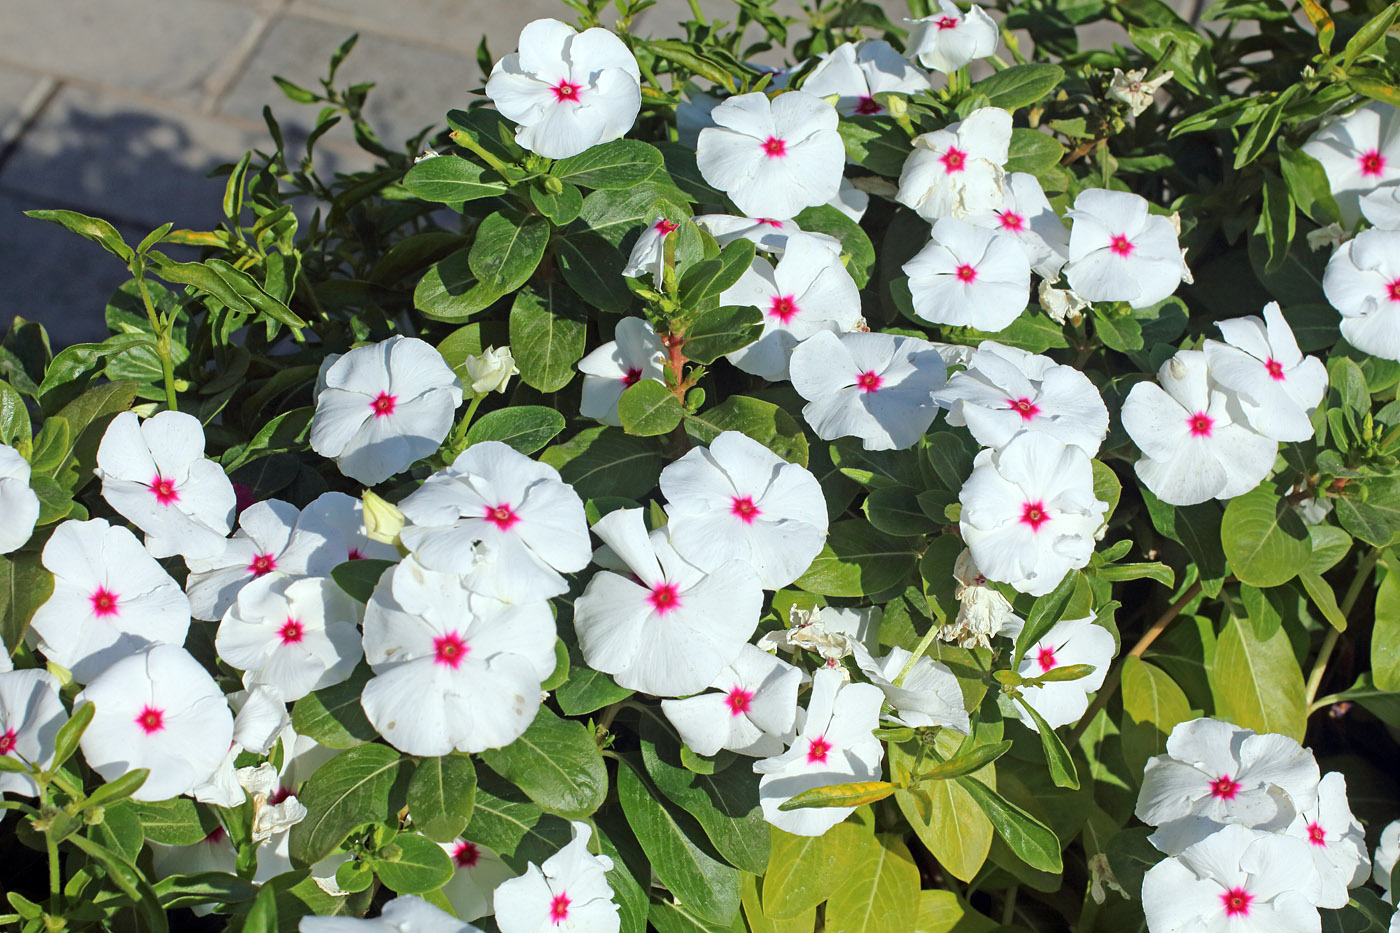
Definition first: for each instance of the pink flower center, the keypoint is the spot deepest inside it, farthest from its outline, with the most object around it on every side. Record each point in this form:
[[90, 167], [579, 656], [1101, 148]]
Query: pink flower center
[[1275, 369], [1236, 901], [164, 490], [1033, 514], [817, 750], [743, 507], [966, 274], [151, 720], [502, 516], [870, 381], [1024, 407], [1372, 163], [634, 376], [280, 794], [354, 554], [1121, 245], [1392, 290], [104, 602], [216, 835], [262, 565], [739, 701], [770, 222], [1316, 834], [867, 106], [664, 226], [1224, 787], [782, 307], [954, 160], [566, 90], [774, 148], [664, 598], [1201, 424], [291, 631], [559, 908], [466, 855], [383, 404], [947, 22], [1010, 220], [1045, 657], [7, 742], [449, 649]]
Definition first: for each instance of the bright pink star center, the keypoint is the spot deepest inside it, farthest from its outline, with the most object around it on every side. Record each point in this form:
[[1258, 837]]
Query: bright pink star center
[[559, 908], [870, 381], [566, 90], [291, 631], [1024, 407], [1010, 220], [634, 376], [1121, 245], [664, 226], [1045, 657], [262, 565], [1316, 834], [1201, 424], [664, 598], [104, 602], [1275, 369], [817, 750], [1224, 787], [947, 22], [1033, 514], [770, 222], [739, 701], [743, 507], [1392, 290], [354, 554], [867, 106], [7, 742], [151, 720], [1372, 163], [966, 274], [164, 490], [216, 835], [782, 307], [449, 649], [466, 855], [502, 516], [383, 404], [954, 160], [774, 148], [1236, 901]]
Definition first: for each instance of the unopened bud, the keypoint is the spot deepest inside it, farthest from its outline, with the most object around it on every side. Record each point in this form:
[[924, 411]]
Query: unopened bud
[[383, 520], [491, 371]]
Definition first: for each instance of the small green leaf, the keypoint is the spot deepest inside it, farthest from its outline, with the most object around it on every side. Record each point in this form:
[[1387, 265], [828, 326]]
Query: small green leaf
[[527, 428], [1265, 541], [175, 822], [118, 789], [70, 734], [959, 765], [556, 763], [451, 179], [333, 715], [1019, 85], [441, 794], [350, 790], [95, 229], [648, 408], [358, 578], [420, 865], [622, 163], [1032, 841], [763, 421], [718, 331], [707, 279], [1062, 770], [854, 794]]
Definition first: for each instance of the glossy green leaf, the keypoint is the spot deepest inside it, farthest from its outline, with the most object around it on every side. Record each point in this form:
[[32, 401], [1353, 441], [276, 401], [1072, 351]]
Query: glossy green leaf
[[648, 408], [1031, 840], [1256, 682], [1057, 757], [1265, 541], [717, 331], [548, 324], [452, 179], [419, 865], [440, 796], [880, 891], [526, 428], [556, 763], [350, 790], [622, 163]]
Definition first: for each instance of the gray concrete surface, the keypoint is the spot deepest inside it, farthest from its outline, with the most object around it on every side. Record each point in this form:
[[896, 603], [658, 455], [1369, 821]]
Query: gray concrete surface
[[120, 108]]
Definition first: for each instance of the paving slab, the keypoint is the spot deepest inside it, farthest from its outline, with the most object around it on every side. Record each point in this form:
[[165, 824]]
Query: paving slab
[[19, 92]]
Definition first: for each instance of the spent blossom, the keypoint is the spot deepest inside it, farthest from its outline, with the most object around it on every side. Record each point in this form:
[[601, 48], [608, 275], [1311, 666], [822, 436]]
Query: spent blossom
[[1133, 88]]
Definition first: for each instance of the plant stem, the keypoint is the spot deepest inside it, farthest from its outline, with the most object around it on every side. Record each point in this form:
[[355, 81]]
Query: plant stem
[[1329, 642], [1008, 906], [162, 332], [459, 433]]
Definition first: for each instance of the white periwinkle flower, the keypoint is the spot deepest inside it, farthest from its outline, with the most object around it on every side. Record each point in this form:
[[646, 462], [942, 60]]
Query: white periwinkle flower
[[568, 891], [665, 628], [750, 708], [1381, 207], [1362, 281], [635, 353], [877, 387], [476, 873], [856, 71], [159, 710], [155, 474], [958, 170], [383, 406], [1335, 839], [1193, 448], [1118, 251], [1069, 642], [31, 714], [737, 500], [836, 745], [1130, 88], [110, 599], [1387, 854], [648, 255], [969, 277], [491, 371], [568, 90], [928, 695], [773, 157], [1360, 152], [1029, 514], [1026, 216], [268, 541], [18, 503], [809, 291], [340, 526], [1276, 386], [982, 611], [401, 915], [766, 233], [951, 38], [509, 524], [454, 669], [1006, 390]]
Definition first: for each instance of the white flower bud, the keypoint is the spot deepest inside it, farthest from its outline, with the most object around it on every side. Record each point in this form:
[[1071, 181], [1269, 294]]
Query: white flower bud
[[491, 371]]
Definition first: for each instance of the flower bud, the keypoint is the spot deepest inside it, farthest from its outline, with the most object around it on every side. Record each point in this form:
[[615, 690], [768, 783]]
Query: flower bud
[[491, 371], [383, 520]]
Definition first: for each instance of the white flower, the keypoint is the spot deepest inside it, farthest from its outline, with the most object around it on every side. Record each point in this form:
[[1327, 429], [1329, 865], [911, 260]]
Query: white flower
[[951, 39], [1359, 152], [750, 708], [773, 157], [1006, 390], [1332, 235], [1069, 642], [1120, 252], [110, 599], [1362, 281], [635, 353], [876, 387], [1239, 880], [958, 169], [260, 718], [296, 634], [1387, 854], [31, 714], [1061, 304], [568, 90], [1382, 208], [1029, 515], [268, 541], [476, 873], [5, 663], [737, 500], [649, 252], [929, 695], [810, 630], [856, 72], [271, 815], [158, 710], [1215, 773], [667, 628], [764, 232], [338, 524], [509, 524], [491, 371], [1336, 841], [18, 503], [982, 611], [850, 200], [969, 277], [1131, 89], [1026, 216], [1276, 386], [384, 406], [569, 891], [154, 474], [401, 915], [1193, 447], [836, 745], [809, 291], [454, 669]]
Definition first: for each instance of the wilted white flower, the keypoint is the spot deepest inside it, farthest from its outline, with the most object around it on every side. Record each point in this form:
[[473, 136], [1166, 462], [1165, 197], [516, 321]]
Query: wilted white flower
[[1061, 304], [982, 611], [1131, 89], [928, 695]]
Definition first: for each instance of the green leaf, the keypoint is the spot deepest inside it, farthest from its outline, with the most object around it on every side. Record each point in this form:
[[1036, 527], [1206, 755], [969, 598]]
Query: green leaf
[[24, 586], [1019, 85], [95, 229], [333, 715], [759, 922], [709, 278], [717, 331], [65, 743], [118, 789], [1152, 705], [944, 912], [556, 764], [605, 461], [1368, 35], [803, 871], [449, 291], [508, 823], [1032, 841], [587, 690], [175, 822], [359, 577], [350, 790], [854, 794], [440, 796], [622, 163], [966, 763], [14, 417], [1062, 770], [855, 243], [1197, 529], [227, 284], [420, 865], [1308, 185], [208, 887], [507, 249], [262, 916], [451, 179], [560, 207], [1046, 612], [1257, 682], [548, 326], [648, 408], [527, 428], [880, 891], [1121, 332], [127, 880], [1265, 541], [858, 560], [1322, 596], [1374, 519], [1262, 131], [706, 886], [943, 814], [763, 421], [1385, 638], [1033, 152]]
